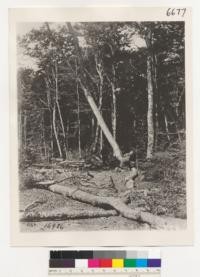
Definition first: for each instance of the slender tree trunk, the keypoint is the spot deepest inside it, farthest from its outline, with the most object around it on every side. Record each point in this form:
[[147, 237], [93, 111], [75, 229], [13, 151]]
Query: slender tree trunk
[[59, 110], [114, 107], [91, 101], [49, 104], [114, 111], [156, 126], [101, 140], [150, 123], [67, 135], [96, 139], [55, 74], [25, 134], [78, 119], [150, 112], [92, 128], [43, 137], [78, 111], [114, 97], [20, 131], [156, 93], [98, 134], [50, 153], [178, 133], [166, 127], [55, 131]]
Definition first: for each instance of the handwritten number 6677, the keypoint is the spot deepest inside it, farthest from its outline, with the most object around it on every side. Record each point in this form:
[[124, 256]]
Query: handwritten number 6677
[[176, 11]]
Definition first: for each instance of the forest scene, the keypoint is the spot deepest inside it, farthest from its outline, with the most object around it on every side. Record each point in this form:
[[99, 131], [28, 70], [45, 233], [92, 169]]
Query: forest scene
[[101, 126]]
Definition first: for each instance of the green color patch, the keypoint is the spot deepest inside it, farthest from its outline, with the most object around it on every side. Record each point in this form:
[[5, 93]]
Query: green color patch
[[130, 263]]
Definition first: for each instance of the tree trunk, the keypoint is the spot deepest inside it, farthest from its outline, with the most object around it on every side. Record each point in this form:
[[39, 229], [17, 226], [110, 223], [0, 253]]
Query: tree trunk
[[114, 112], [44, 137], [20, 131], [64, 214], [106, 131], [101, 140], [167, 127], [91, 101], [25, 135], [55, 131], [116, 204], [156, 94], [67, 135], [99, 69], [78, 111], [150, 90], [150, 117], [59, 110], [98, 134], [79, 121], [96, 139], [114, 102]]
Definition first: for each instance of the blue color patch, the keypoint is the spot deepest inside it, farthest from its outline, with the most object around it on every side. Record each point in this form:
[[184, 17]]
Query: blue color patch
[[141, 262]]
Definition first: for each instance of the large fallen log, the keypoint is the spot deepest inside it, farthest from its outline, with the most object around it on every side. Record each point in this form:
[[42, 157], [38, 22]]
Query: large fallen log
[[63, 214], [118, 205]]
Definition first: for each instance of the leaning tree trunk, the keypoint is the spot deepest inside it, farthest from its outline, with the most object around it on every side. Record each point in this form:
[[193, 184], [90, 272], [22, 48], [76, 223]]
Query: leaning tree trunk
[[102, 124], [100, 120]]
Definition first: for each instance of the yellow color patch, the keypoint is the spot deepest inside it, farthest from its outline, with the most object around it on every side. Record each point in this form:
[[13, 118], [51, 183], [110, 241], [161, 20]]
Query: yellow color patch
[[117, 263]]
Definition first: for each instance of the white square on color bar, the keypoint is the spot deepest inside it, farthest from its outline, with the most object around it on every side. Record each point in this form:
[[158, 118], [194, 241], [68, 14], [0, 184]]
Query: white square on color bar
[[154, 254], [81, 263]]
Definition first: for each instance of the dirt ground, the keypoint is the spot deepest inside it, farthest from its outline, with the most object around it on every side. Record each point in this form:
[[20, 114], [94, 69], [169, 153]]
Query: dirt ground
[[159, 189]]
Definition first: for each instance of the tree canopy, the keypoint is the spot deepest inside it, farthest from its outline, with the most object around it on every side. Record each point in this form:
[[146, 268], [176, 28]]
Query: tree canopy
[[121, 64]]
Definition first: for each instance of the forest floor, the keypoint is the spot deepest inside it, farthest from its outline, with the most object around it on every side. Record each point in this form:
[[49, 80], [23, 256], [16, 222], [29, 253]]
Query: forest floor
[[160, 189]]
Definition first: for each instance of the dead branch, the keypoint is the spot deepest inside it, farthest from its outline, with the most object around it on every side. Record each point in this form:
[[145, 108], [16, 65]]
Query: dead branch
[[113, 186]]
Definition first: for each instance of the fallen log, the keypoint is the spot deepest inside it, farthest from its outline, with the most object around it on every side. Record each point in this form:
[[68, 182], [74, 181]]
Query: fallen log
[[63, 214], [118, 205], [72, 162]]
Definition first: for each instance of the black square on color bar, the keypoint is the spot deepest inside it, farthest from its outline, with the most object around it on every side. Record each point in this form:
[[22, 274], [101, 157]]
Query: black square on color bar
[[62, 254]]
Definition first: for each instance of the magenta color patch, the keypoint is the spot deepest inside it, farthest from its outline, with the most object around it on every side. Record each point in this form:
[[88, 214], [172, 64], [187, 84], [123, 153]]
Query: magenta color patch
[[93, 263]]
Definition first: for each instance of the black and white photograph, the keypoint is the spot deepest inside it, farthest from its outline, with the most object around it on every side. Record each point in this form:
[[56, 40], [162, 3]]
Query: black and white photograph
[[101, 126]]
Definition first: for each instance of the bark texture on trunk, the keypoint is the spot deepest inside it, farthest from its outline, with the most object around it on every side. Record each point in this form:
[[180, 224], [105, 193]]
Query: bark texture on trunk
[[118, 205], [98, 134], [64, 214], [102, 124], [114, 112], [150, 123]]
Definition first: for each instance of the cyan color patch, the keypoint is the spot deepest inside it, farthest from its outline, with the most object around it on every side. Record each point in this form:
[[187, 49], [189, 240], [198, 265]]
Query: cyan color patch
[[141, 262]]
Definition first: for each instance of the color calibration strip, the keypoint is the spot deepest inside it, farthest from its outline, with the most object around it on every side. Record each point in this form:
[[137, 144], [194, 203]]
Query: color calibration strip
[[104, 263], [102, 259]]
